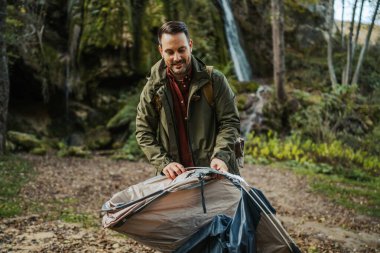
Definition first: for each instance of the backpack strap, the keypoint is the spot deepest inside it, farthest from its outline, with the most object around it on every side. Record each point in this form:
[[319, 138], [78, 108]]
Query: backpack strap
[[208, 89]]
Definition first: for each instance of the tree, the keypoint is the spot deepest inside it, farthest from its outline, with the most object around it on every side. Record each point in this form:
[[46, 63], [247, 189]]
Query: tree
[[4, 77], [342, 24], [347, 70], [329, 42], [358, 28], [351, 44], [138, 10], [364, 48], [278, 49]]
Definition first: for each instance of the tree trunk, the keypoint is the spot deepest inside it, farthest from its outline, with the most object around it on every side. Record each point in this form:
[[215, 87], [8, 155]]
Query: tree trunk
[[138, 8], [342, 24], [330, 44], [349, 46], [4, 78], [171, 9], [364, 48], [358, 29], [278, 49]]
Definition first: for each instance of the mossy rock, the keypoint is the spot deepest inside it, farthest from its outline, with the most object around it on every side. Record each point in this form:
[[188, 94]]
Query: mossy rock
[[10, 146], [39, 150], [98, 138], [241, 100], [77, 151], [245, 87], [131, 150], [126, 115], [24, 141], [122, 118]]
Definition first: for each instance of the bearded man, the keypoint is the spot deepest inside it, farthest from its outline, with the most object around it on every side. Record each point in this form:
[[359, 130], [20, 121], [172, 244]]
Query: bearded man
[[177, 125]]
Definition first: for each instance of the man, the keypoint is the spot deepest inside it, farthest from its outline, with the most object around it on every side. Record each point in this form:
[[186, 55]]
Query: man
[[176, 126]]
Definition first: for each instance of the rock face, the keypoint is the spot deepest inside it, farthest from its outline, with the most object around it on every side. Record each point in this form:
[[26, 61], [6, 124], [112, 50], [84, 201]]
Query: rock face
[[254, 19], [77, 63], [80, 65]]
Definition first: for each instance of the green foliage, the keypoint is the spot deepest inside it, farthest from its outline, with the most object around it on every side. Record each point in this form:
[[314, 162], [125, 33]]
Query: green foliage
[[14, 29], [106, 24], [334, 157], [370, 142], [131, 150], [369, 78], [306, 70], [127, 114], [205, 27], [323, 116], [15, 172]]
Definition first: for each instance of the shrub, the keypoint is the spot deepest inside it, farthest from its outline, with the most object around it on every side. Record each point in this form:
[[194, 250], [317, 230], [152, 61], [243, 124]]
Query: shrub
[[341, 158]]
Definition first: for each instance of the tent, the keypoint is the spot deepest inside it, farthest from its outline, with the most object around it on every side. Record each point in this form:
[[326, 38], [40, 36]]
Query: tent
[[202, 210]]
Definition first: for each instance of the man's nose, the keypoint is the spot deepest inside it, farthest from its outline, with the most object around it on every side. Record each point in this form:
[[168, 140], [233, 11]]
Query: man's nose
[[177, 56]]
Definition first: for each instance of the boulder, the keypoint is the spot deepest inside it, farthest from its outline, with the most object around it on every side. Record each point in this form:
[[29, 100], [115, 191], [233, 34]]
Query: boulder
[[24, 141], [98, 138]]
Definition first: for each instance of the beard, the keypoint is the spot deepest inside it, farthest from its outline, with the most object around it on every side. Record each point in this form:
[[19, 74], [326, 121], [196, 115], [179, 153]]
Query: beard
[[179, 67]]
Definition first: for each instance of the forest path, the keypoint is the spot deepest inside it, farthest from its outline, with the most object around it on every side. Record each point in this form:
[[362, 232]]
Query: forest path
[[76, 188]]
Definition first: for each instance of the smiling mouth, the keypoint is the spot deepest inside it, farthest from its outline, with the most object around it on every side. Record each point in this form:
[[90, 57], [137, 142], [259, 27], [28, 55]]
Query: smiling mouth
[[177, 65]]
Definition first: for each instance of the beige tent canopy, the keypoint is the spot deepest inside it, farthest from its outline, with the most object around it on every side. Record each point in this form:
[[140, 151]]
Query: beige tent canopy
[[178, 215]]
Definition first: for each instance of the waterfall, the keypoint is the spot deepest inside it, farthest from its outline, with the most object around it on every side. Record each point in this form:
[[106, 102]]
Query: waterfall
[[67, 88], [252, 116], [241, 65]]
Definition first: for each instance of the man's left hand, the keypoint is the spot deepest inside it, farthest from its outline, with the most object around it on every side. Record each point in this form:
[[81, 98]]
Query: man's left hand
[[218, 164]]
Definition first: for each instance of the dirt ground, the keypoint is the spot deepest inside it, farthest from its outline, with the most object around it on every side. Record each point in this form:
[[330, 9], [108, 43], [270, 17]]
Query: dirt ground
[[83, 185]]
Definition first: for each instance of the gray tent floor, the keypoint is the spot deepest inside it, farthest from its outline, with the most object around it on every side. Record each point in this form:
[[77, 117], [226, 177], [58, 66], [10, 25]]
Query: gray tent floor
[[63, 199]]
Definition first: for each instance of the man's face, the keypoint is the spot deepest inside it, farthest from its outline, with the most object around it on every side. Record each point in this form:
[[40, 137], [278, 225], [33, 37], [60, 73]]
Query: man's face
[[175, 49]]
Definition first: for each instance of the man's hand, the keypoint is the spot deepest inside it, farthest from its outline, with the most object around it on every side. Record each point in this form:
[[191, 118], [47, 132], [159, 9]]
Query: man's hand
[[172, 170], [218, 164]]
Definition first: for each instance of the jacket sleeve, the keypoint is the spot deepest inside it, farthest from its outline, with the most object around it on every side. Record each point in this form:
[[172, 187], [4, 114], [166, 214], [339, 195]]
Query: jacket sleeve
[[228, 121], [147, 120]]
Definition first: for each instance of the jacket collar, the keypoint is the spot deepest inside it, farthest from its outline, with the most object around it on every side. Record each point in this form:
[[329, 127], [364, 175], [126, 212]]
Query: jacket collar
[[199, 72]]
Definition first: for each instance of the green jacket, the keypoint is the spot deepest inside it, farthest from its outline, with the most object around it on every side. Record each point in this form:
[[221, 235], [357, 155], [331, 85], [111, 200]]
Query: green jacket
[[212, 130]]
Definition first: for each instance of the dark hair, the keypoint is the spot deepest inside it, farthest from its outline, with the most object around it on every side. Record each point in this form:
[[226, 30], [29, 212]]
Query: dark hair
[[173, 27]]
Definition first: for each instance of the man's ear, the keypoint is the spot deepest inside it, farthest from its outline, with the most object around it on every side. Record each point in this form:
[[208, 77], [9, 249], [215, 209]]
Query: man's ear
[[191, 45], [160, 50]]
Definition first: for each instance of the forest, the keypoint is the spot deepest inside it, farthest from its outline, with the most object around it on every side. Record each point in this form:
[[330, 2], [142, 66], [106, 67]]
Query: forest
[[307, 86]]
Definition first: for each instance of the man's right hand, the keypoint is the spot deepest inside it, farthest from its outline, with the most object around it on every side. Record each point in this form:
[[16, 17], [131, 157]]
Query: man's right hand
[[172, 170]]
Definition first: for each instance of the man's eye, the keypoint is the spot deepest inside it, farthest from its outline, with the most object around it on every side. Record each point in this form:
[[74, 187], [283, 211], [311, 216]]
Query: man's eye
[[169, 52]]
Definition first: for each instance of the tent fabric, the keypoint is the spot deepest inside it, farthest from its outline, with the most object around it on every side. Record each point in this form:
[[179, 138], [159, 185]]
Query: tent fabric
[[248, 231], [197, 213]]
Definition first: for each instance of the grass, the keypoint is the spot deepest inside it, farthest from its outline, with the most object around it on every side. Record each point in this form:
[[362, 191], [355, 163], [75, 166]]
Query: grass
[[70, 215], [361, 194], [66, 210], [15, 172]]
